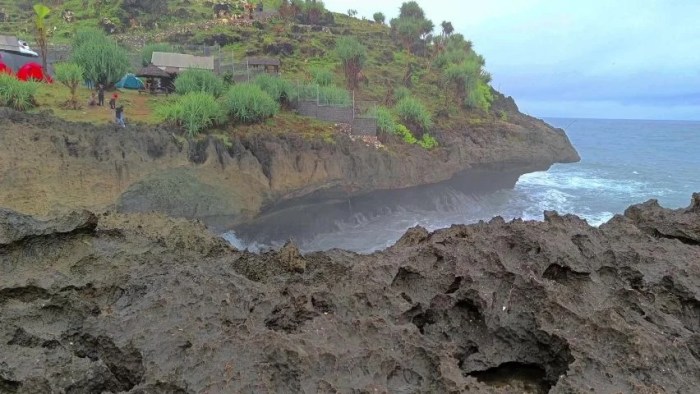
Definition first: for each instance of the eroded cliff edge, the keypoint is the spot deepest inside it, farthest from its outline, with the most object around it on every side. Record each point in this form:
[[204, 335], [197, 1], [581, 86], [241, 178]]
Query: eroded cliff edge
[[148, 304], [47, 164]]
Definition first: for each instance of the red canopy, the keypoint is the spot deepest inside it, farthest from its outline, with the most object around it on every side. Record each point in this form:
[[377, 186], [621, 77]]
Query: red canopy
[[4, 69], [33, 72]]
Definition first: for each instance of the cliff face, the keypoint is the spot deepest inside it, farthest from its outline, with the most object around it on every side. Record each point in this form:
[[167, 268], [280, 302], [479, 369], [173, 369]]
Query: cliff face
[[147, 304], [46, 163]]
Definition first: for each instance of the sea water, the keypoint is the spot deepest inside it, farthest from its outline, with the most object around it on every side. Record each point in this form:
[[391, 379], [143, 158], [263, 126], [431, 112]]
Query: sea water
[[623, 162]]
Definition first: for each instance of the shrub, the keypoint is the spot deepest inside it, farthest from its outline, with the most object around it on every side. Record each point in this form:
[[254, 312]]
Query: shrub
[[277, 88], [71, 75], [17, 94], [385, 120], [414, 113], [249, 103], [405, 134], [203, 81], [322, 76], [102, 59], [147, 51], [331, 95], [401, 93], [195, 111], [428, 141]]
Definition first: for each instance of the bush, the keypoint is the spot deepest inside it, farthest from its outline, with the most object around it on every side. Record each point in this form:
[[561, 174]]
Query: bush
[[277, 88], [428, 141], [331, 95], [385, 120], [322, 76], [195, 111], [71, 75], [401, 93], [17, 94], [147, 51], [101, 58], [202, 81], [414, 113], [249, 104], [405, 134]]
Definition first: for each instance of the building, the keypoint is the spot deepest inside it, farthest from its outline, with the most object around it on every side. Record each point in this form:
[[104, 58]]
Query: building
[[266, 64], [175, 63]]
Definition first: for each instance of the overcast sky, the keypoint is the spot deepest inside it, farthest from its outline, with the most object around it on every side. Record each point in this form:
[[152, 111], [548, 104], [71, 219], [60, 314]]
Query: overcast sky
[[627, 59]]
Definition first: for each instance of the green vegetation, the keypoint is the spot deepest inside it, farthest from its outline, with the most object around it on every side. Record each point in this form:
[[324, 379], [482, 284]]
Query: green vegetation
[[147, 51], [379, 17], [17, 94], [387, 124], [195, 112], [411, 28], [71, 75], [463, 72], [353, 56], [248, 103], [102, 59], [322, 76], [203, 81], [41, 12], [279, 89], [414, 114]]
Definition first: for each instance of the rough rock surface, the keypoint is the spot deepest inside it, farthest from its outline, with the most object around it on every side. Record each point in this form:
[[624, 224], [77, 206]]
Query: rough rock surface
[[48, 164], [147, 304]]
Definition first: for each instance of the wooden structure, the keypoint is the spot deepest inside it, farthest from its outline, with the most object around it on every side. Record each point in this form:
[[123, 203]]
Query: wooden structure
[[269, 65]]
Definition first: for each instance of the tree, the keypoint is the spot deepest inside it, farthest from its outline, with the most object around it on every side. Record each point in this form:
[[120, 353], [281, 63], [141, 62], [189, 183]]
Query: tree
[[379, 17], [447, 28], [71, 75], [411, 27], [353, 55], [102, 59], [41, 12], [470, 82], [352, 13]]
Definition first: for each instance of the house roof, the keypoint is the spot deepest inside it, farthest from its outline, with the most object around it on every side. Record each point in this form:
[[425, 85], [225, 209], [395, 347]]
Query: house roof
[[179, 61], [152, 71], [262, 61], [9, 43]]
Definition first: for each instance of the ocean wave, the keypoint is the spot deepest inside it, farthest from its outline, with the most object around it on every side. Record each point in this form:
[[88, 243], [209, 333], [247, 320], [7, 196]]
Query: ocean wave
[[580, 181]]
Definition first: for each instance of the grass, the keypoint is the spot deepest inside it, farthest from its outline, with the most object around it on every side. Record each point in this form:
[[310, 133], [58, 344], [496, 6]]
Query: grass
[[137, 108], [386, 66]]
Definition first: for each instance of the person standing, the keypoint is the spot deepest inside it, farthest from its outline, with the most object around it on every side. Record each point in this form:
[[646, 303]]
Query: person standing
[[119, 113], [113, 102], [101, 95]]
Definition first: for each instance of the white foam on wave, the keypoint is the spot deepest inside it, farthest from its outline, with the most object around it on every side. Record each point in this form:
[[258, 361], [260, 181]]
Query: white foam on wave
[[575, 181]]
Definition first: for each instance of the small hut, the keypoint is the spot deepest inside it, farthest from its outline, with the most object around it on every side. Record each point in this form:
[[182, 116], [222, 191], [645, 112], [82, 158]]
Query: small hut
[[156, 77], [266, 64], [175, 63]]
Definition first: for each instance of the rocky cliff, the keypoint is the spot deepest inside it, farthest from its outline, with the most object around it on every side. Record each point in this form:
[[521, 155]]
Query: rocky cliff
[[47, 163], [147, 304]]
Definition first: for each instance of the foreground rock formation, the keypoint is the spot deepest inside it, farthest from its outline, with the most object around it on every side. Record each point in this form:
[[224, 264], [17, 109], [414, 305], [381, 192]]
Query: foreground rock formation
[[146, 304], [47, 164]]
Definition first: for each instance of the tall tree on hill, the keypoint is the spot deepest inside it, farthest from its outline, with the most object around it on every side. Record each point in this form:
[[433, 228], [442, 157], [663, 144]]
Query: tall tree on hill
[[40, 13], [353, 55], [411, 27], [447, 28]]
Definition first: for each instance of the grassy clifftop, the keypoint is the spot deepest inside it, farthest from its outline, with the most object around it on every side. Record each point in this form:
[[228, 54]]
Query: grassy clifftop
[[391, 71]]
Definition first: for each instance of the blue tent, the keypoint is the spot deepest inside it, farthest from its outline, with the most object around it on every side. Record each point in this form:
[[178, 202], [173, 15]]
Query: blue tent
[[129, 81]]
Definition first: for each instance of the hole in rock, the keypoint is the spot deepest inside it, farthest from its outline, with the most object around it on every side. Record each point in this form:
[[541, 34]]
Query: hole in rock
[[515, 377]]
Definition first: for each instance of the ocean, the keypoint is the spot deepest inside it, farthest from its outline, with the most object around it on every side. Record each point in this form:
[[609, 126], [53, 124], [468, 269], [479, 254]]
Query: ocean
[[623, 162]]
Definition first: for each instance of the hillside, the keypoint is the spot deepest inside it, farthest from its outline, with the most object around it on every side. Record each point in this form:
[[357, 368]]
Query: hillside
[[235, 170], [302, 47]]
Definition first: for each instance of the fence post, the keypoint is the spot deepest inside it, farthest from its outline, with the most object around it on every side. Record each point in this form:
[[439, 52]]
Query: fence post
[[318, 98], [353, 104]]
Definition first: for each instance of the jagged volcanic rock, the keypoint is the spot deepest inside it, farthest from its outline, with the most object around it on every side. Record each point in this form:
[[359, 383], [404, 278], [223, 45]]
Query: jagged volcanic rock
[[146, 304]]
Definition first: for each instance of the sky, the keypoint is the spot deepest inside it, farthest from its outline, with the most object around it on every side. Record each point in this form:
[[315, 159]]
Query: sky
[[621, 59]]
